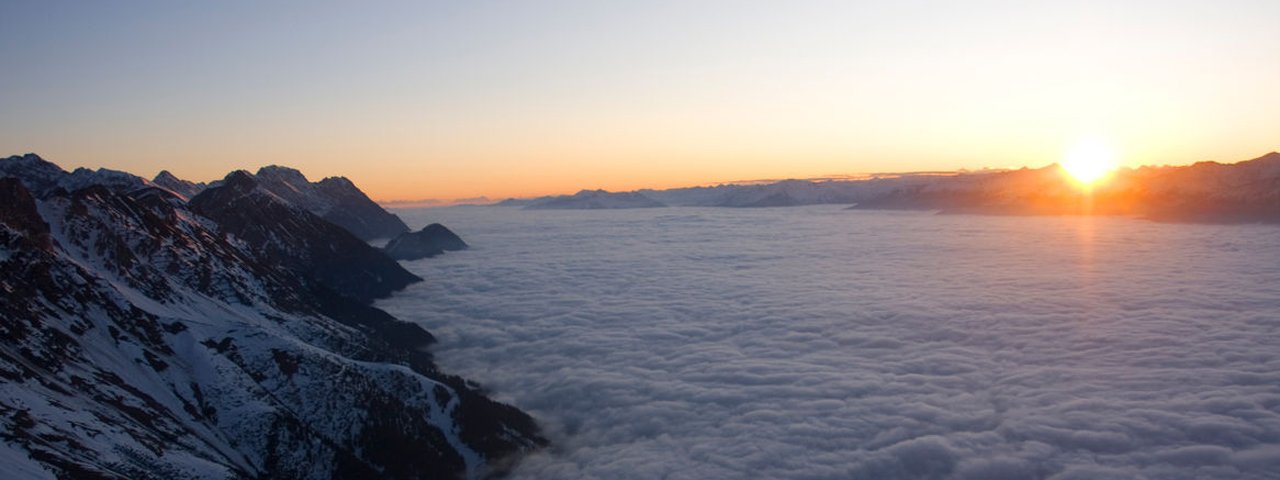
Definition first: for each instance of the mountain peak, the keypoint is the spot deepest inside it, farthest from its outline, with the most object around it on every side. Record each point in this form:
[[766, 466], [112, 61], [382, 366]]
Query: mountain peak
[[183, 188], [44, 178], [293, 236], [285, 174], [38, 175], [27, 158], [337, 181], [240, 180], [165, 175]]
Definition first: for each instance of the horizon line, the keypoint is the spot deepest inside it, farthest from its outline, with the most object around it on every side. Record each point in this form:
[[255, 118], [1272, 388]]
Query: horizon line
[[838, 177]]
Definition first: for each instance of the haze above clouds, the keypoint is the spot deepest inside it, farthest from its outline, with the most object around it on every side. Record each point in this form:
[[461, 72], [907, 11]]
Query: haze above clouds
[[822, 343]]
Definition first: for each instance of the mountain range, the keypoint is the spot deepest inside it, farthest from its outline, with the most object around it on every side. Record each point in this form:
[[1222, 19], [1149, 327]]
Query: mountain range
[[167, 329], [1206, 192]]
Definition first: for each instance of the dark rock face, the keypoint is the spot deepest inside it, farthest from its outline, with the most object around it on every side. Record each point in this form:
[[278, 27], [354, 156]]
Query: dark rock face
[[356, 212], [298, 240], [334, 199], [18, 212], [432, 240], [143, 340]]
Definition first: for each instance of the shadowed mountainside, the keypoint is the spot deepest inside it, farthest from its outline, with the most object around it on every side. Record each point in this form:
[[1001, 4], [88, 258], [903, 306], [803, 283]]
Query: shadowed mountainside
[[145, 339]]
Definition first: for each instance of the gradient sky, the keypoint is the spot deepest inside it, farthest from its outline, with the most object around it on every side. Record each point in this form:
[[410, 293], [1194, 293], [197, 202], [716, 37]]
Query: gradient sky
[[456, 99]]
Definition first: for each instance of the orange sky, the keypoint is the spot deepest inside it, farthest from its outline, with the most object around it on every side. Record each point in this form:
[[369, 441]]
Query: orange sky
[[450, 100]]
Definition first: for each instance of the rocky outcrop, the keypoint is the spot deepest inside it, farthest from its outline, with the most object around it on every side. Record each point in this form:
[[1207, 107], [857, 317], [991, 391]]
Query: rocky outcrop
[[146, 340], [432, 240]]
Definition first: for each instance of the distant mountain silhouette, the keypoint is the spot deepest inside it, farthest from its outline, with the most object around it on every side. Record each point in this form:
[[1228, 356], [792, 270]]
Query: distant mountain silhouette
[[1206, 192], [592, 200], [1212, 192]]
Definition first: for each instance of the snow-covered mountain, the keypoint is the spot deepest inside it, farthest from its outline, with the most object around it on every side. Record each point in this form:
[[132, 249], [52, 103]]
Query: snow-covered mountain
[[293, 238], [335, 199], [45, 178], [149, 338]]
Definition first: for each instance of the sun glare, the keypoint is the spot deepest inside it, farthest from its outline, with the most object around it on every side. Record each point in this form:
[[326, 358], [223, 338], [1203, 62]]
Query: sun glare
[[1089, 161]]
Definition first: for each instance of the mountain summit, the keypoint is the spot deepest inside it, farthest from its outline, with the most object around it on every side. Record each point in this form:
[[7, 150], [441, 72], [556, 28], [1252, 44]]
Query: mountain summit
[[334, 199]]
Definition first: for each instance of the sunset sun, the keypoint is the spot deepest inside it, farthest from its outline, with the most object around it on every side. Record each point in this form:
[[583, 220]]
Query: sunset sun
[[1089, 161]]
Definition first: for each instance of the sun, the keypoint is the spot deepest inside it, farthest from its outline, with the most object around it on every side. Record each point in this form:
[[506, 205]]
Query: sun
[[1089, 161]]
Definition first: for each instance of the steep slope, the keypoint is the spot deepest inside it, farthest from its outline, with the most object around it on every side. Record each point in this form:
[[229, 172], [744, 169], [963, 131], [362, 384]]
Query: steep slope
[[146, 341], [299, 241], [335, 199]]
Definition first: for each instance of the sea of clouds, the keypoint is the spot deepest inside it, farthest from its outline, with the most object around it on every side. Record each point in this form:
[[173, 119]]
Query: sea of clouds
[[820, 343]]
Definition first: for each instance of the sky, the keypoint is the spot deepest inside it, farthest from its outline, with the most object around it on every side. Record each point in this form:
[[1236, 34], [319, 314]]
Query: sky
[[415, 100]]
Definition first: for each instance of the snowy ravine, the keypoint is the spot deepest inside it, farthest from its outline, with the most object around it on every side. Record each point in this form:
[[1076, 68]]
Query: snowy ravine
[[143, 340]]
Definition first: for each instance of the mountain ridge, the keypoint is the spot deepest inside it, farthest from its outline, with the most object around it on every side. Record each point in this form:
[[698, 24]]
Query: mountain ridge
[[145, 340], [335, 199], [1204, 192]]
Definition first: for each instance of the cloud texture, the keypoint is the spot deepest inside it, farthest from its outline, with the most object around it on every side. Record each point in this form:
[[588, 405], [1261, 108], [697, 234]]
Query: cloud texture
[[817, 343]]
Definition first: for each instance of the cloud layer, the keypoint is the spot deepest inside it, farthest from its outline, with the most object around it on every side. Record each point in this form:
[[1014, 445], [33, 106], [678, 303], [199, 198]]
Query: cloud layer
[[820, 343]]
